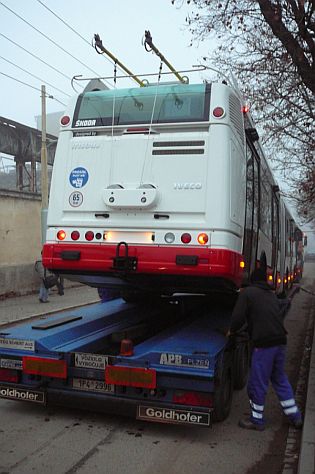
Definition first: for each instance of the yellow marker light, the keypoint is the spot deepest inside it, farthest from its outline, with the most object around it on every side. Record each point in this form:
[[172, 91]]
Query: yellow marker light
[[61, 235], [279, 280], [242, 264], [202, 239], [270, 278]]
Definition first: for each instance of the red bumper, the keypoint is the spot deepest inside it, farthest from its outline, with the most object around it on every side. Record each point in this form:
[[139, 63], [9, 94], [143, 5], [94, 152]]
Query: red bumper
[[99, 258]]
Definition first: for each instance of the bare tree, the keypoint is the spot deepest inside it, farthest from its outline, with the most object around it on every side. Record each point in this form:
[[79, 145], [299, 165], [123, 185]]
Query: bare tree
[[270, 46]]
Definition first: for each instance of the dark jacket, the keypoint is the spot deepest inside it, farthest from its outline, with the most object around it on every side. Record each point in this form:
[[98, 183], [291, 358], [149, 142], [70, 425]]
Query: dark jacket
[[260, 308]]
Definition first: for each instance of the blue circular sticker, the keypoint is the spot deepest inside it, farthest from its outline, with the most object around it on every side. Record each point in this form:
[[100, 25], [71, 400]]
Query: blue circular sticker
[[78, 177]]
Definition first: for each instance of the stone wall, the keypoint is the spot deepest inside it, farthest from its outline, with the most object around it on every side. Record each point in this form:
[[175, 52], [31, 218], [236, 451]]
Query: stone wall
[[20, 241]]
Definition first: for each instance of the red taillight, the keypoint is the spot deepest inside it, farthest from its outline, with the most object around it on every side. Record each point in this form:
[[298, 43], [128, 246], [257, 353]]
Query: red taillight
[[65, 120], [89, 235], [61, 235], [245, 109], [203, 239], [185, 238], [218, 112], [195, 399], [9, 375], [47, 367], [75, 235]]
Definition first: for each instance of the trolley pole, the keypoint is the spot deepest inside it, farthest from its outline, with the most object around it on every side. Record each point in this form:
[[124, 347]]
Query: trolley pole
[[44, 170]]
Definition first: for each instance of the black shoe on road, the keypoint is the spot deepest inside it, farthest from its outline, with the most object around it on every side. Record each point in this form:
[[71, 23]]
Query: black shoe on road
[[249, 425]]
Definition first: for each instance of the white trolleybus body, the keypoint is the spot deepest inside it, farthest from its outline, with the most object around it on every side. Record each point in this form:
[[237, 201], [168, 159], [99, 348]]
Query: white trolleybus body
[[164, 189]]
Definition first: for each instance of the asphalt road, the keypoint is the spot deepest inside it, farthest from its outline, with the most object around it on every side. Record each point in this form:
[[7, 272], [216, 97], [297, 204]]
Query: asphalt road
[[35, 439]]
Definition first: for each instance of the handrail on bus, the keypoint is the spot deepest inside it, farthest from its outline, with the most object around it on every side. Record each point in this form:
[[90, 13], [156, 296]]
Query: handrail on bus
[[100, 49], [79, 77]]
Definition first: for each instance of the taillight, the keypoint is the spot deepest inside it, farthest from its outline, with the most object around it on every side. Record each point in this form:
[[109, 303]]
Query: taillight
[[202, 239], [185, 238], [89, 235], [47, 367], [9, 375], [199, 399], [61, 235], [75, 235]]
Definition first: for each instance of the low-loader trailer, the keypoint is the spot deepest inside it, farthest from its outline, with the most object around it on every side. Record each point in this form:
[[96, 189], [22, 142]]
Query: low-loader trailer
[[168, 361]]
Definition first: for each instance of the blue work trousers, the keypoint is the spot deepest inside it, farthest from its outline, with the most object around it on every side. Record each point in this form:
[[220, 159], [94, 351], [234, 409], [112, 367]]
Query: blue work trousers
[[268, 365]]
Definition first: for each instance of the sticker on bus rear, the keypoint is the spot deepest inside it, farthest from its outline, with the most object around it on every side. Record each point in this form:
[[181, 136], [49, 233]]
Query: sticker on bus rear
[[76, 199], [78, 177]]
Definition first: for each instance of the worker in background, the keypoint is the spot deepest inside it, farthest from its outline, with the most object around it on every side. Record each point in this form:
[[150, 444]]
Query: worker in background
[[259, 307], [48, 280]]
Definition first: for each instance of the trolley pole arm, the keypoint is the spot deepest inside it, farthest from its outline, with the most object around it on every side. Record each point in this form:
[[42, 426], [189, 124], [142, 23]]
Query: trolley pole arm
[[148, 41], [98, 45]]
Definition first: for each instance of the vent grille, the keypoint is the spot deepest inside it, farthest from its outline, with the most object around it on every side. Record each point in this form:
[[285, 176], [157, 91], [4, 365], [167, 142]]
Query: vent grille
[[235, 110], [186, 143], [193, 151]]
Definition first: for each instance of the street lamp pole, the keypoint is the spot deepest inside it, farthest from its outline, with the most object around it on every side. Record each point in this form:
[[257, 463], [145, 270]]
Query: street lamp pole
[[44, 168]]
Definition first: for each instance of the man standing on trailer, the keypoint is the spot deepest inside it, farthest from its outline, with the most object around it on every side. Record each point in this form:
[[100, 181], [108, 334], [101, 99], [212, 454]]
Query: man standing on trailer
[[259, 307]]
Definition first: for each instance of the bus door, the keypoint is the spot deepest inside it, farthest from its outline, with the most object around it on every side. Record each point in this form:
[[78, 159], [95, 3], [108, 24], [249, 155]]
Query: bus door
[[251, 215]]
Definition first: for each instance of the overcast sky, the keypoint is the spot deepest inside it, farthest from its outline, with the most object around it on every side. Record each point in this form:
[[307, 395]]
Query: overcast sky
[[120, 24]]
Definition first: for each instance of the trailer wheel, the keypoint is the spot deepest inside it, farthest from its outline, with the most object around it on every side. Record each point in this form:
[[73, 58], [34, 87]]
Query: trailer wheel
[[240, 365], [223, 394]]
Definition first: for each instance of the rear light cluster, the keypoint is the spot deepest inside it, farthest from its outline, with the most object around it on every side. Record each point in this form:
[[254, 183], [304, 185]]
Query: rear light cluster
[[75, 235], [202, 238], [169, 237]]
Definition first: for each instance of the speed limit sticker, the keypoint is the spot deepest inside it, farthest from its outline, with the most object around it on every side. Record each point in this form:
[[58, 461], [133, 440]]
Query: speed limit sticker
[[76, 199]]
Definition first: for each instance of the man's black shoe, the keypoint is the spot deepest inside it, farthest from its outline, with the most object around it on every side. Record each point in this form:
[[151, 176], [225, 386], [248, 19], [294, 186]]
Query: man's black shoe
[[249, 425], [43, 301], [298, 424]]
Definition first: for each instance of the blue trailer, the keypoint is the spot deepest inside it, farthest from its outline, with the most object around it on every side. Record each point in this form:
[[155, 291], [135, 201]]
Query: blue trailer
[[169, 362]]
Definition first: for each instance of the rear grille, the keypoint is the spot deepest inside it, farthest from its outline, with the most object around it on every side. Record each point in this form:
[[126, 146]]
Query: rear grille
[[172, 148]]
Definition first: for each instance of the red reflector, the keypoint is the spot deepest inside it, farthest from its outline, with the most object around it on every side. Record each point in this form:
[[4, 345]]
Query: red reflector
[[130, 377], [47, 367], [89, 235], [245, 109], [75, 235], [195, 399], [65, 120], [8, 375], [61, 235], [185, 238]]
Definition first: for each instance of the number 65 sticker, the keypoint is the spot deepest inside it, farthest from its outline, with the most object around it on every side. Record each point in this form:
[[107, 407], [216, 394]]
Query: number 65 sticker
[[76, 199]]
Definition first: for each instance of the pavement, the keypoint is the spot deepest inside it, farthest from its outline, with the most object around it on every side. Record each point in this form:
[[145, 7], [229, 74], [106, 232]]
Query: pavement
[[19, 308]]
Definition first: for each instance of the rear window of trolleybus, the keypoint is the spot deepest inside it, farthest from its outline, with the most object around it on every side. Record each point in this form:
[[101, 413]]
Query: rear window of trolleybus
[[167, 104]]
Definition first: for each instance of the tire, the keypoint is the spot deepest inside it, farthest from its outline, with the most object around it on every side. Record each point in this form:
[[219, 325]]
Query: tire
[[223, 394], [240, 365]]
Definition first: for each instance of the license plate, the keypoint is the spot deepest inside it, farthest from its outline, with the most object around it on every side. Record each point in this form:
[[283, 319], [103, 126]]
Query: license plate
[[90, 385]]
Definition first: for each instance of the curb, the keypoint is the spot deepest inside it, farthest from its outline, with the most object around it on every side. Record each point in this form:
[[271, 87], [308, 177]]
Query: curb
[[307, 453]]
